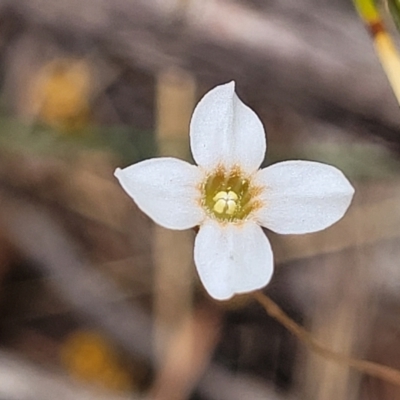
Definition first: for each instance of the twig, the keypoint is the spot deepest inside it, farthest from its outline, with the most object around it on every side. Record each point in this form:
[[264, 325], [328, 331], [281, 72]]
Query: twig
[[367, 367]]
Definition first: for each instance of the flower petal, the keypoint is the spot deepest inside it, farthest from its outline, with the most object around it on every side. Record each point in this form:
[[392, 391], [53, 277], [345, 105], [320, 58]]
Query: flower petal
[[232, 258], [166, 189], [302, 196], [223, 130]]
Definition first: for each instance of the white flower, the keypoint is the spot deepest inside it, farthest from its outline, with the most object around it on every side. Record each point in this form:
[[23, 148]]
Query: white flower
[[230, 198]]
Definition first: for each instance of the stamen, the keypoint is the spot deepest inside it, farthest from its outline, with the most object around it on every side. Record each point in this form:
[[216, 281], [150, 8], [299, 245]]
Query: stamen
[[219, 206], [225, 202], [220, 196], [228, 196], [231, 207], [232, 196]]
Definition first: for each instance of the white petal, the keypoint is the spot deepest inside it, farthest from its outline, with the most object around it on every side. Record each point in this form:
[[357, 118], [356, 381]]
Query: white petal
[[166, 189], [232, 258], [223, 130], [302, 196]]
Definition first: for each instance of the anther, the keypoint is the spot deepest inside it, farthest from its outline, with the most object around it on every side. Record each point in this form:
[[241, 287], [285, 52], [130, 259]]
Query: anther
[[225, 202]]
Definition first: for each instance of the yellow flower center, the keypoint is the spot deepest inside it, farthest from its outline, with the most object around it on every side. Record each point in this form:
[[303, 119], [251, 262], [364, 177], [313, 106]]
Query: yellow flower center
[[225, 202], [229, 195]]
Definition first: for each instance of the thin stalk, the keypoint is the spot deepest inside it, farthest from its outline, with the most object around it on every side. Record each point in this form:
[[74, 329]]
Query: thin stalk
[[367, 367]]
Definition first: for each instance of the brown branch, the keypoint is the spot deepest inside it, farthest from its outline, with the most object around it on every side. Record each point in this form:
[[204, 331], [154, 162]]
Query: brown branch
[[367, 367]]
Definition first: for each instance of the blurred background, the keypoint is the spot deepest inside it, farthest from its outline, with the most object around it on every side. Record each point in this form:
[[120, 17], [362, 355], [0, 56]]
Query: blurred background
[[96, 302]]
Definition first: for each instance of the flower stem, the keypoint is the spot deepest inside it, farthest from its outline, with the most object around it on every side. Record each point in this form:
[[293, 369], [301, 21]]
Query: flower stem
[[376, 370]]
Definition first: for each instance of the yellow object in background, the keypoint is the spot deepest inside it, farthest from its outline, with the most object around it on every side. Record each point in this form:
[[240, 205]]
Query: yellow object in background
[[384, 45], [60, 95], [89, 357], [367, 10]]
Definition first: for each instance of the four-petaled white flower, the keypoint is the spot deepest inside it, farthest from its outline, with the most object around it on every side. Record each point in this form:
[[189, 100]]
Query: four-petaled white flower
[[230, 198]]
